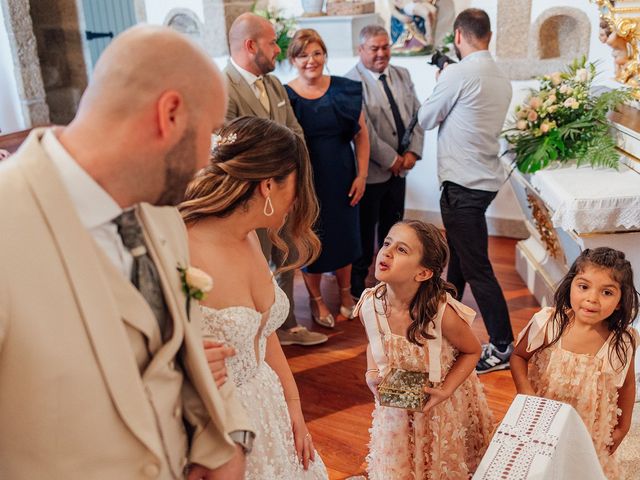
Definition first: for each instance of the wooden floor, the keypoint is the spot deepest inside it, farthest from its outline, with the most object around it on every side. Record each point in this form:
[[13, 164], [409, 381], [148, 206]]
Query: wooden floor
[[337, 403]]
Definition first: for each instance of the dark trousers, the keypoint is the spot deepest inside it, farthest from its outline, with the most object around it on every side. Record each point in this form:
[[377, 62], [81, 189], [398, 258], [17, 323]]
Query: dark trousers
[[463, 214], [382, 205], [285, 280]]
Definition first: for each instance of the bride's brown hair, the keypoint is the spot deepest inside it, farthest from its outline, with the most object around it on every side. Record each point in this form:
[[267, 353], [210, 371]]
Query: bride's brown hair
[[251, 150]]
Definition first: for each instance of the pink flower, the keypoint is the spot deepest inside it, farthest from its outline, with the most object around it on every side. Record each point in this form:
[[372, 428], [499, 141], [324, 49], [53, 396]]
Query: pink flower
[[535, 102], [533, 116], [545, 127]]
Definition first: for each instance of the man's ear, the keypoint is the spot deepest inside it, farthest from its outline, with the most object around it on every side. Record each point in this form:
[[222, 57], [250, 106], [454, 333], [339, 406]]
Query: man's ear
[[423, 275], [457, 37], [172, 115], [250, 46]]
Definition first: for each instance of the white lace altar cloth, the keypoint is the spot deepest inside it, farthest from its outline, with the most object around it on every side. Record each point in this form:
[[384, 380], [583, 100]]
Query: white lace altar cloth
[[540, 439], [591, 200]]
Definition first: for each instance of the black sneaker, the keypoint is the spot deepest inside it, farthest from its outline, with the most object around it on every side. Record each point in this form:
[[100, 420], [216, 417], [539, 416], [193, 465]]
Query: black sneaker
[[493, 359]]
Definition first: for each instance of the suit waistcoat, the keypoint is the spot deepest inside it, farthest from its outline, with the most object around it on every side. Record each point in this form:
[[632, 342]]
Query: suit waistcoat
[[161, 373]]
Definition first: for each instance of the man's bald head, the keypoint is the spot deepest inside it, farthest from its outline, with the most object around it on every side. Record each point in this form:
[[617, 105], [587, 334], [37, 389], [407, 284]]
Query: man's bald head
[[144, 123], [252, 43], [247, 26], [145, 61]]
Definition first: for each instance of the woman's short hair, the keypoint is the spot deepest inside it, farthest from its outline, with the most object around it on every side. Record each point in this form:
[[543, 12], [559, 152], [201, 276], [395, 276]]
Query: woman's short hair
[[301, 39]]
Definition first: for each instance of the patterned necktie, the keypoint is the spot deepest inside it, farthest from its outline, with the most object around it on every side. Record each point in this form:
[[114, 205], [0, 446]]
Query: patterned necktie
[[394, 110], [144, 274], [264, 100]]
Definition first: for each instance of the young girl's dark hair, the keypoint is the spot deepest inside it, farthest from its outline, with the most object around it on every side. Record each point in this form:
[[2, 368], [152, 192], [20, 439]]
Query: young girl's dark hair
[[431, 293], [621, 318]]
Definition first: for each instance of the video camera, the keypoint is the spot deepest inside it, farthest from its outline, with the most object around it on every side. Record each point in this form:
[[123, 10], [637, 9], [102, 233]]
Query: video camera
[[439, 59]]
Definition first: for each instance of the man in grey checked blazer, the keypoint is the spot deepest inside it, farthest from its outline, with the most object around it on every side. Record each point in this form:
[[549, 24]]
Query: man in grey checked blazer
[[390, 102]]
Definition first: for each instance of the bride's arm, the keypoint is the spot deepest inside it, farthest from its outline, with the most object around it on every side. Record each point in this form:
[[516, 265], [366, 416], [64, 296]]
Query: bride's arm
[[274, 356]]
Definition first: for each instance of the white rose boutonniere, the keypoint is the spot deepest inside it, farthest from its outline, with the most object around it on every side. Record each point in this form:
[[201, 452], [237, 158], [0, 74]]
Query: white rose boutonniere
[[195, 283]]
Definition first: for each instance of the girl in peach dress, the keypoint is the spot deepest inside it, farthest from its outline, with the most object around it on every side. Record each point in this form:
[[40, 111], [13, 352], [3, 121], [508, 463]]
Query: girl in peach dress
[[413, 323], [581, 351]]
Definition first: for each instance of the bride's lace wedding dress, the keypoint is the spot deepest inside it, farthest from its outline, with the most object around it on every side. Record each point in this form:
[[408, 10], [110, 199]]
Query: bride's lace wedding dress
[[259, 389]]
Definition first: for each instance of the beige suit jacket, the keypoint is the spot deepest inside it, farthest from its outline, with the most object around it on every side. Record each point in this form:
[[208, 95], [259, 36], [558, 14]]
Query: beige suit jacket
[[242, 100], [80, 392]]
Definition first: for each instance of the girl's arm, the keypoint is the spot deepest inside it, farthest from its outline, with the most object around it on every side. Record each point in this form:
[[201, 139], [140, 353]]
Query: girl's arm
[[274, 356], [519, 364], [372, 375], [459, 334], [361, 143], [626, 399]]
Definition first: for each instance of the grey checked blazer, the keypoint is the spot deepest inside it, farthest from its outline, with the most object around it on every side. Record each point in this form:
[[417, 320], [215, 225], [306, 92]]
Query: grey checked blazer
[[382, 129]]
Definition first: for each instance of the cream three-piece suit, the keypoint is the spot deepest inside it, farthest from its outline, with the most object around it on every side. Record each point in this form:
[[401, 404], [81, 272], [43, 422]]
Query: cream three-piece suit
[[87, 388]]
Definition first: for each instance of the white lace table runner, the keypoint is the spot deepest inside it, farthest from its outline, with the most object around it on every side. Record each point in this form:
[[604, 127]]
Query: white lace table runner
[[540, 439], [591, 200]]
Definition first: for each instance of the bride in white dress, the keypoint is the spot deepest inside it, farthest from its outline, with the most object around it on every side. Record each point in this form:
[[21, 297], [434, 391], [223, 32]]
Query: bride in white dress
[[259, 175]]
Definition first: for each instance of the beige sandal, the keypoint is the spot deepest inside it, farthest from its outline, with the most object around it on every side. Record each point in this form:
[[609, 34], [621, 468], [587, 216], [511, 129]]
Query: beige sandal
[[327, 321], [347, 312]]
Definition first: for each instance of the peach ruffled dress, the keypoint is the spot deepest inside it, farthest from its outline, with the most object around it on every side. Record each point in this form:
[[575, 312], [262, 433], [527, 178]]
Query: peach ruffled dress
[[589, 383], [449, 441]]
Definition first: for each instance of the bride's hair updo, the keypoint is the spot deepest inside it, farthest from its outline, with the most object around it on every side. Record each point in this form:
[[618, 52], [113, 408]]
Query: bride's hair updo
[[250, 150]]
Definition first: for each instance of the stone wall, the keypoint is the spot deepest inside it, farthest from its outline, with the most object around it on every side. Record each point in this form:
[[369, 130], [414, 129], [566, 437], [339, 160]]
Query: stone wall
[[526, 49], [22, 41], [219, 15], [56, 27]]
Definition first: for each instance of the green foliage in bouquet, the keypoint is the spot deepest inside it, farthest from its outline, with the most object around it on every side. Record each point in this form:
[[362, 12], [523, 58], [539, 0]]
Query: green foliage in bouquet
[[447, 43], [284, 27], [563, 121]]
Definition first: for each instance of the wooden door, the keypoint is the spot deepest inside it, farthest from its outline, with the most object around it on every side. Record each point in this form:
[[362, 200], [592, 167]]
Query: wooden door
[[104, 19]]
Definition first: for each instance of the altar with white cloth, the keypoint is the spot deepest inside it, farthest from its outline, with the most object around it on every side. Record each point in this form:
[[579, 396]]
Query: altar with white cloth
[[569, 209], [540, 439]]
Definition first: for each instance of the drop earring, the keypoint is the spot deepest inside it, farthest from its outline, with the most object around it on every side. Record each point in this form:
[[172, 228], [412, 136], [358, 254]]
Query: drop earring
[[268, 209]]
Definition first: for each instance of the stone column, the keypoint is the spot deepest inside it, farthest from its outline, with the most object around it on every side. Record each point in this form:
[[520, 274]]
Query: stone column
[[25, 62], [141, 10], [56, 26], [218, 17], [514, 20]]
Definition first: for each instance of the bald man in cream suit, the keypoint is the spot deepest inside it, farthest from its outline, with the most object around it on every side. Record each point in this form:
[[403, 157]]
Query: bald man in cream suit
[[92, 384]]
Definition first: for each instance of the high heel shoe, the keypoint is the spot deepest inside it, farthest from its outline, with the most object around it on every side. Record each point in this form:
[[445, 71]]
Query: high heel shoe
[[327, 321], [347, 312]]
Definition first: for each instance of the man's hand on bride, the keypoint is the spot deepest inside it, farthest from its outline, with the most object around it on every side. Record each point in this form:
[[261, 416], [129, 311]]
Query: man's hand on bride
[[302, 439], [216, 353]]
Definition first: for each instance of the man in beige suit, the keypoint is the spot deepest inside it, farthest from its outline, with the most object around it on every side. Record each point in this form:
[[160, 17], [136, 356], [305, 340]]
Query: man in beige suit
[[253, 92], [92, 384]]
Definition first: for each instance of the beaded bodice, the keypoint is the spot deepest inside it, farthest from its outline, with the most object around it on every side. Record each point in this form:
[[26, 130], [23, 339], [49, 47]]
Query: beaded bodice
[[245, 329]]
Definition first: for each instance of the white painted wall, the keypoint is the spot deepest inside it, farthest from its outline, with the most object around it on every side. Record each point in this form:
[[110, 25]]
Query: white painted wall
[[11, 119], [157, 10]]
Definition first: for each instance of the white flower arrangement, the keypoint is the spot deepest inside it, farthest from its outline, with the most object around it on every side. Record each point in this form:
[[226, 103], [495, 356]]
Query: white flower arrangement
[[564, 121]]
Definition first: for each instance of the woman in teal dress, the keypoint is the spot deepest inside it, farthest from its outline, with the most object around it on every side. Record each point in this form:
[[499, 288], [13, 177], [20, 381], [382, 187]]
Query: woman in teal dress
[[329, 109]]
